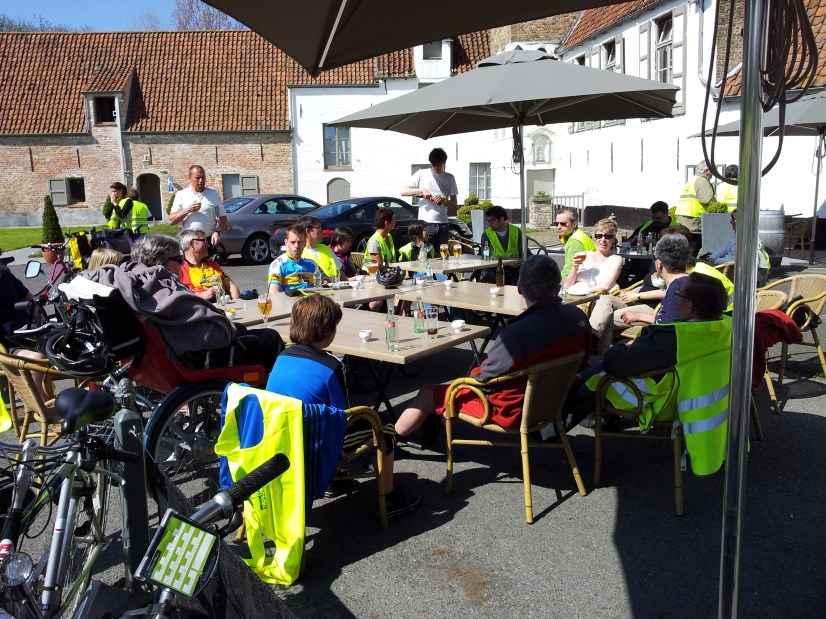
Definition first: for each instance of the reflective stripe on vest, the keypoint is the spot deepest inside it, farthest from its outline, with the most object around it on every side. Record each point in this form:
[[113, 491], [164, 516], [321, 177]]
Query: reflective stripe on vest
[[387, 248], [324, 259], [690, 205], [658, 397], [496, 244]]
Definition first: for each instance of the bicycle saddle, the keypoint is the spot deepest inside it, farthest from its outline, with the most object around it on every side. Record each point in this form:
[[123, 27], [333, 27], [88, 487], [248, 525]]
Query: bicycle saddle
[[79, 408]]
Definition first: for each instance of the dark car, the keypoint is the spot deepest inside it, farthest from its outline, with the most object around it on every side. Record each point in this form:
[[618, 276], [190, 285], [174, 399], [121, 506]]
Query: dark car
[[359, 214], [253, 219]]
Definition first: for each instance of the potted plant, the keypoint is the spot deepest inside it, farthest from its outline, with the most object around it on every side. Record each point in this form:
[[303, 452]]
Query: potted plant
[[716, 225], [51, 229]]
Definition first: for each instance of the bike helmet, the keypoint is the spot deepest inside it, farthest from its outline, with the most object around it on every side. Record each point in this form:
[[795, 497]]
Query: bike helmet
[[390, 277], [79, 354]]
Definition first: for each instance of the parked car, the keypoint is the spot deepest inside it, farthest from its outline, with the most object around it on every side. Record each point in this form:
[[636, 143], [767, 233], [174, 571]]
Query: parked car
[[253, 219], [359, 214]]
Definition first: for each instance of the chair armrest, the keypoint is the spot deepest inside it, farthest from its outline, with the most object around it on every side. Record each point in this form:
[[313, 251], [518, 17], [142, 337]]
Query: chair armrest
[[633, 286], [774, 284], [474, 386], [607, 381], [365, 413]]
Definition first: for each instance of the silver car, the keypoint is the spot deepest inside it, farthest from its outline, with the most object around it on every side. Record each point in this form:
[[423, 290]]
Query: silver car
[[253, 219]]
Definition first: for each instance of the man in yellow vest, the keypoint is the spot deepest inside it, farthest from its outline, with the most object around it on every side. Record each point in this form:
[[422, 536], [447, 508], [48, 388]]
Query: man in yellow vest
[[318, 252], [694, 197], [574, 239], [728, 192], [502, 238], [140, 213], [119, 210], [698, 347]]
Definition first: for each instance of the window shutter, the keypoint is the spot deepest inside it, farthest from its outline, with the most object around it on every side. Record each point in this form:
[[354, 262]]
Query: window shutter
[[249, 185], [595, 56], [619, 52], [679, 56], [645, 50], [58, 191]]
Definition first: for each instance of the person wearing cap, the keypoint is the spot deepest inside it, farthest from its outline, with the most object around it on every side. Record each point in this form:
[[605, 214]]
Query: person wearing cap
[[199, 208]]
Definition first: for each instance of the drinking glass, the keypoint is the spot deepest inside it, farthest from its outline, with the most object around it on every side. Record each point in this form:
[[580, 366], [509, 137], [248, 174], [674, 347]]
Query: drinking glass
[[264, 306], [431, 313], [457, 250], [443, 250]]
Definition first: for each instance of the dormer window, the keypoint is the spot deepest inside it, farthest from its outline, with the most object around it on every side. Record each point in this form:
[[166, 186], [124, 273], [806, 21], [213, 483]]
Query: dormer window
[[105, 111], [432, 51]]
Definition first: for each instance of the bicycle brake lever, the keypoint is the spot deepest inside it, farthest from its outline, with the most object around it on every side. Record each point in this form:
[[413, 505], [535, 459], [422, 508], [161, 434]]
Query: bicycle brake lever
[[235, 521]]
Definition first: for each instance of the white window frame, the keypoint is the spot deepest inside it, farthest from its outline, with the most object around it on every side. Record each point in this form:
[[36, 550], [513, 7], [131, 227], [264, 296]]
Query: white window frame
[[664, 49], [479, 171], [432, 50], [343, 148]]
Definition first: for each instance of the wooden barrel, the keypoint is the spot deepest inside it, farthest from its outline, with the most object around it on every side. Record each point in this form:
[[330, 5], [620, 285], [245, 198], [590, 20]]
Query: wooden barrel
[[772, 233]]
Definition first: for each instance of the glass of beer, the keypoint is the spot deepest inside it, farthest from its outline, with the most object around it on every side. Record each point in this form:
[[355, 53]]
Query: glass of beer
[[443, 249], [264, 306], [457, 250]]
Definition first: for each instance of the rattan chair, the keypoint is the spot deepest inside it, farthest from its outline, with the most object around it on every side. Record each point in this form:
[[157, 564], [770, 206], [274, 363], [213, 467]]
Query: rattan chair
[[727, 269], [374, 448], [21, 374], [547, 388], [799, 233], [536, 247], [357, 258], [768, 300], [811, 289]]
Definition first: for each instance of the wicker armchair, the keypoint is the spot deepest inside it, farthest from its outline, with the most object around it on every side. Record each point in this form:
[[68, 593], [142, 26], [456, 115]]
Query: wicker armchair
[[21, 374], [727, 269], [357, 258], [547, 388], [812, 290], [766, 300], [799, 233]]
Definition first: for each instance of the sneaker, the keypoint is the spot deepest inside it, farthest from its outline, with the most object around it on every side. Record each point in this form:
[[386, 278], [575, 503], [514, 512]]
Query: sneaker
[[431, 430], [336, 488], [398, 502]]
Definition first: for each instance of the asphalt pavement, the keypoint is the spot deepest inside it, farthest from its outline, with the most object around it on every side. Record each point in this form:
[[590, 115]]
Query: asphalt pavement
[[618, 552]]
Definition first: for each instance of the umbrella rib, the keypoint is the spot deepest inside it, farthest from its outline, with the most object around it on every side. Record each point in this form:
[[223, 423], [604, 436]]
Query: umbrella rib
[[332, 34]]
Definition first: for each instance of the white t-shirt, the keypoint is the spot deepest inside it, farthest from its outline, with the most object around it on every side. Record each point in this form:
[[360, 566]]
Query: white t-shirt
[[443, 183], [211, 209]]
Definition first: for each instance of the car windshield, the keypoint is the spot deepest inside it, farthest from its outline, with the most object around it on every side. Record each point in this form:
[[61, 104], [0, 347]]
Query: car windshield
[[334, 209], [233, 205]]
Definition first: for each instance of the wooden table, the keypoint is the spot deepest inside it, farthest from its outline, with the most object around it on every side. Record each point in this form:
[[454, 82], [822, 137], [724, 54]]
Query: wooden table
[[476, 296], [369, 291], [282, 306], [412, 346], [466, 264]]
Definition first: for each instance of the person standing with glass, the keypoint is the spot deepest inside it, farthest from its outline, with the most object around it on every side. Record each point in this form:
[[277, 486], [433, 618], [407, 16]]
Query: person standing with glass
[[199, 208], [437, 190]]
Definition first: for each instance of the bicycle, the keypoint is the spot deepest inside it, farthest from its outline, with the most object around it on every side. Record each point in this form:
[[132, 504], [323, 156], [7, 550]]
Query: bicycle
[[70, 474]]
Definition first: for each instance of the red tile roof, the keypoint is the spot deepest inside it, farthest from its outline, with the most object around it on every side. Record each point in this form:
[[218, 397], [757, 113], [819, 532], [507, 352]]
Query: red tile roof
[[468, 50], [593, 21], [180, 81]]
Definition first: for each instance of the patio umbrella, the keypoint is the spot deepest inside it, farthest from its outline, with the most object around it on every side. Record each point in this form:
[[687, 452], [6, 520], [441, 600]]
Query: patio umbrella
[[805, 117], [514, 89], [325, 34]]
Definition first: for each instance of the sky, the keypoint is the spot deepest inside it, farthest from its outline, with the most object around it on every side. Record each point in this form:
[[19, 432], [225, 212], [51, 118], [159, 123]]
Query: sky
[[99, 15]]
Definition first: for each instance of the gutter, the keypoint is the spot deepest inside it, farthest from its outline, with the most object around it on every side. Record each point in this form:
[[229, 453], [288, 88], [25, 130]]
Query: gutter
[[120, 141]]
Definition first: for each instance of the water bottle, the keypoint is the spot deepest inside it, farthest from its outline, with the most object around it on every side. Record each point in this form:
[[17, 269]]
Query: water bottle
[[486, 252], [417, 309], [317, 277], [428, 269], [391, 335]]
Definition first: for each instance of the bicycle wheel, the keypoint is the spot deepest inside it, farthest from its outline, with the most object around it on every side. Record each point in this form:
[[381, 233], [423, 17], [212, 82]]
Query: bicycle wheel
[[181, 436], [86, 542]]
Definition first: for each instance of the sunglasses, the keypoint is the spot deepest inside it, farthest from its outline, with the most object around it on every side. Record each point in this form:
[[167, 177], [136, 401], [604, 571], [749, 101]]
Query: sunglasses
[[178, 259], [599, 236], [562, 223]]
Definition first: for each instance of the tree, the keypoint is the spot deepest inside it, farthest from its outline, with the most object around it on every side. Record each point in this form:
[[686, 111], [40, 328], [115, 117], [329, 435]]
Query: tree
[[36, 24], [148, 21], [195, 15], [51, 225]]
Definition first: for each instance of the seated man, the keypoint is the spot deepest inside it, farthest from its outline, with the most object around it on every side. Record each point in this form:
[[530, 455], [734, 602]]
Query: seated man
[[698, 346], [500, 240], [380, 246], [726, 253], [572, 238], [306, 372], [419, 237], [203, 276], [290, 271], [317, 251], [190, 325], [546, 330], [635, 270]]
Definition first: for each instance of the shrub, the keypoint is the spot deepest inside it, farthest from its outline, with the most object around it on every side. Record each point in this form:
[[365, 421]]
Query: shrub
[[169, 204], [672, 212], [51, 225], [716, 207], [464, 211], [471, 200], [107, 204]]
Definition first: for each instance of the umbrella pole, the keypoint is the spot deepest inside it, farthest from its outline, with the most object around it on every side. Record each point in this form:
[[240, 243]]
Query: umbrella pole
[[821, 144], [742, 337], [522, 197]]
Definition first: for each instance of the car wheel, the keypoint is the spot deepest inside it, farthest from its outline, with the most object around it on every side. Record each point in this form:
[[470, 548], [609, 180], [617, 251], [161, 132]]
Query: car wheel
[[360, 245], [256, 250]]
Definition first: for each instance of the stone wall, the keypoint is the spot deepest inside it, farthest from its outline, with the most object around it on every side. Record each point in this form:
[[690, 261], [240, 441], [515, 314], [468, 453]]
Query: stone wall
[[29, 162], [550, 29]]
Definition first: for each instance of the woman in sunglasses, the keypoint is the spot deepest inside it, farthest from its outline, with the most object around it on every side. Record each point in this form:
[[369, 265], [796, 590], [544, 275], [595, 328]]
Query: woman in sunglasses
[[597, 270]]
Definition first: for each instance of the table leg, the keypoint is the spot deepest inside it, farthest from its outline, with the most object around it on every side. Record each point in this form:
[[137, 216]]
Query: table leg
[[382, 382]]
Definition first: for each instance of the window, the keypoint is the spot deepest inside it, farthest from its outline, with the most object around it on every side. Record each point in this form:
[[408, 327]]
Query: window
[[663, 55], [480, 180], [580, 60], [432, 51], [413, 169], [338, 189], [66, 191], [610, 52], [336, 147], [541, 149], [235, 185], [105, 110]]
